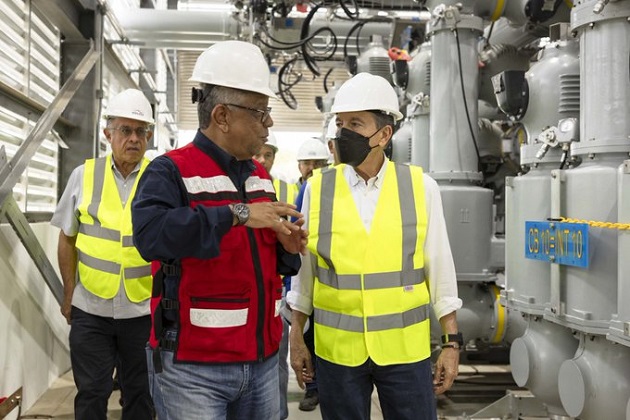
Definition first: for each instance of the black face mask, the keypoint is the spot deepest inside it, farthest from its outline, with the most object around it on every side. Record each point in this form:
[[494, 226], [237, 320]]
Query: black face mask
[[352, 148]]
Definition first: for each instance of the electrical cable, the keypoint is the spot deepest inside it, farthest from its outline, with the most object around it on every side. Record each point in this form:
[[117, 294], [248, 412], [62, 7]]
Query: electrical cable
[[299, 44], [489, 33], [326, 79], [352, 16], [285, 84], [345, 44], [359, 25], [310, 63], [461, 80], [358, 36]]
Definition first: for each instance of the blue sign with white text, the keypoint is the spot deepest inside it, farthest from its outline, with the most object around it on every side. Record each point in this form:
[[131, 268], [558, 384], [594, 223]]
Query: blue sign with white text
[[561, 243]]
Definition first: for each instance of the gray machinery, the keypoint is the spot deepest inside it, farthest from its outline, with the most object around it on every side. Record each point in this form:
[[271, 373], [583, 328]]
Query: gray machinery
[[579, 287], [595, 384], [375, 59], [418, 89], [553, 84], [454, 163], [401, 142]]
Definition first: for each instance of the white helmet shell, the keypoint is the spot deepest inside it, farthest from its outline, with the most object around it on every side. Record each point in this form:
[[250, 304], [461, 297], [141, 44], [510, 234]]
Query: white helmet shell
[[272, 142], [366, 92], [234, 64], [313, 149], [132, 104], [331, 130]]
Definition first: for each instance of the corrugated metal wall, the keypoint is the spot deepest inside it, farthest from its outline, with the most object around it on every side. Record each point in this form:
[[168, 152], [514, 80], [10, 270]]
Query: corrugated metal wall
[[305, 118], [29, 58]]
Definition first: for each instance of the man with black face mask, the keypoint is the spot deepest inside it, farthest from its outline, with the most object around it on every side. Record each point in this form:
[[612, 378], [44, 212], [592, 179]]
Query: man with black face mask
[[378, 260]]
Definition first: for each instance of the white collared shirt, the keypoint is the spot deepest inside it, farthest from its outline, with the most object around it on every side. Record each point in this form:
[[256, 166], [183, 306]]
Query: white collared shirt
[[438, 260]]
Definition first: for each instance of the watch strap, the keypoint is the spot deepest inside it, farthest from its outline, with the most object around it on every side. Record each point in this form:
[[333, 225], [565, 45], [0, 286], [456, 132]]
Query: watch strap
[[453, 338]]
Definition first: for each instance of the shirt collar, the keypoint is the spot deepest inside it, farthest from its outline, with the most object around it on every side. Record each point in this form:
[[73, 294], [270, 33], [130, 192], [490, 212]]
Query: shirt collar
[[135, 169], [355, 179], [226, 161], [237, 170]]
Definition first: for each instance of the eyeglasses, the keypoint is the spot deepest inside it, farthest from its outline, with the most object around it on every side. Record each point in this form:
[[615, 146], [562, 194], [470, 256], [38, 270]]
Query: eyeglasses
[[141, 132], [265, 113], [315, 163]]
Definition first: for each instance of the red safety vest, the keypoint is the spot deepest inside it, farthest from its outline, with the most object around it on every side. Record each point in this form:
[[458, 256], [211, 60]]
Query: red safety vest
[[227, 306]]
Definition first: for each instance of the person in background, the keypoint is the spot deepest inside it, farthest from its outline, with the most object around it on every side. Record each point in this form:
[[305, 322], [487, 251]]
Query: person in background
[[379, 259], [311, 395], [286, 193], [311, 155], [207, 216], [106, 282], [266, 157], [331, 134]]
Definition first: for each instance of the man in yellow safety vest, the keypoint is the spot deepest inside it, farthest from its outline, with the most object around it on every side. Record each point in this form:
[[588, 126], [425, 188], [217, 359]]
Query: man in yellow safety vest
[[107, 284], [379, 260]]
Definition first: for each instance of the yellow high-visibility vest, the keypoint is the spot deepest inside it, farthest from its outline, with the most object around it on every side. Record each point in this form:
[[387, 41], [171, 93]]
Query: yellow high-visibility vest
[[105, 242], [285, 192], [370, 295]]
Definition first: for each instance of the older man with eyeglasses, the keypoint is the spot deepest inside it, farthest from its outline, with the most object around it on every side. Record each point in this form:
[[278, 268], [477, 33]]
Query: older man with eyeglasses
[[107, 284], [207, 215]]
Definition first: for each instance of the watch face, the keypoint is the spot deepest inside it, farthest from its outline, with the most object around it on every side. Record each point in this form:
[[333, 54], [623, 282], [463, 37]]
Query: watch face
[[242, 213]]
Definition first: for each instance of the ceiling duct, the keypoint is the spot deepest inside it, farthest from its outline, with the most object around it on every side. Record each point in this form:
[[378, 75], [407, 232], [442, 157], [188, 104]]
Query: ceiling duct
[[197, 30], [179, 29]]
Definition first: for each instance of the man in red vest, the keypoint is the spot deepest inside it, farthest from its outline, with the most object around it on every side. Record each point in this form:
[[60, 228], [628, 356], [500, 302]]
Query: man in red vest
[[207, 216]]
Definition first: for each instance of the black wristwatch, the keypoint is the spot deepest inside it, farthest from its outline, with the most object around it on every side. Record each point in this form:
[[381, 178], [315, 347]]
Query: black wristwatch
[[449, 340], [241, 212]]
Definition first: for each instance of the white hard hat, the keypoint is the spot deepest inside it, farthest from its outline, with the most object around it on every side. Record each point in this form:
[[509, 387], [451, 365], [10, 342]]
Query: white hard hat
[[331, 130], [234, 64], [366, 92], [132, 104], [272, 142], [312, 149]]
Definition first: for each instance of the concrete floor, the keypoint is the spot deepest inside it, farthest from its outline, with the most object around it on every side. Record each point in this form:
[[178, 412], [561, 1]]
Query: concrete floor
[[57, 402]]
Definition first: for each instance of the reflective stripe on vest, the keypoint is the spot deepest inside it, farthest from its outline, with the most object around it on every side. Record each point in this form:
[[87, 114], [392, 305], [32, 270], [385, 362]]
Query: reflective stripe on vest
[[223, 184], [373, 323], [105, 231], [370, 281], [285, 193], [370, 298]]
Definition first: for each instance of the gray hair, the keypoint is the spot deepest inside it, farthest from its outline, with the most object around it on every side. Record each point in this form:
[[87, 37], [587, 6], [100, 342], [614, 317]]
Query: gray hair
[[381, 119], [212, 96]]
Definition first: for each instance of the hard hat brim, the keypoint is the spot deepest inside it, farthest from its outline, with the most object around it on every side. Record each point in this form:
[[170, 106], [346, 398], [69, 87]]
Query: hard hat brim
[[263, 91]]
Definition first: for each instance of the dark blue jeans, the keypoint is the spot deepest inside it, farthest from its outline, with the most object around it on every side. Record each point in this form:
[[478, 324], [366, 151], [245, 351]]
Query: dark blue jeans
[[404, 391], [97, 344]]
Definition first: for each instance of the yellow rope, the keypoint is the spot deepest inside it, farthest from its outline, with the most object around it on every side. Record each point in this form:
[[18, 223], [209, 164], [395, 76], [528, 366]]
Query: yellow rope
[[593, 223], [498, 10], [569, 3]]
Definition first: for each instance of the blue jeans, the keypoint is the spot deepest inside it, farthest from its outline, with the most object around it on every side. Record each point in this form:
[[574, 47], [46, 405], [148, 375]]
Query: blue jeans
[[221, 391], [404, 391]]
